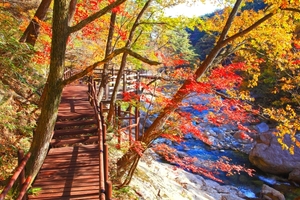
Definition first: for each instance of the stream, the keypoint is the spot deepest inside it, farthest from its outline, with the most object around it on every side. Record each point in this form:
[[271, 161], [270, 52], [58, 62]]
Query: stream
[[250, 186]]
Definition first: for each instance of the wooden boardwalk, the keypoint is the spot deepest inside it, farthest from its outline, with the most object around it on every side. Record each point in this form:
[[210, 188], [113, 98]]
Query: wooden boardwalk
[[71, 168]]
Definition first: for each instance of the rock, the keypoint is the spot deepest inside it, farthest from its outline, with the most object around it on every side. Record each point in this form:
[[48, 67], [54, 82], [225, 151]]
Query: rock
[[262, 127], [238, 135], [269, 156], [211, 132], [295, 175], [270, 193], [153, 178]]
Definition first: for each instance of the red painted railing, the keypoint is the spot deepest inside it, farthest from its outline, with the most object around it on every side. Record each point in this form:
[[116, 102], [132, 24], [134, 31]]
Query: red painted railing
[[19, 173], [105, 186]]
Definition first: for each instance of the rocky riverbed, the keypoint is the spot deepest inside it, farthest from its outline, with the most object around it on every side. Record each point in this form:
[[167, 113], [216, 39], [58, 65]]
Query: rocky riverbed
[[260, 143], [227, 141], [157, 180]]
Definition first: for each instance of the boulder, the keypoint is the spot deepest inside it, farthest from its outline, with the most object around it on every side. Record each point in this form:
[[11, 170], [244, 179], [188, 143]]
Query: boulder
[[262, 127], [295, 175], [268, 155], [270, 193]]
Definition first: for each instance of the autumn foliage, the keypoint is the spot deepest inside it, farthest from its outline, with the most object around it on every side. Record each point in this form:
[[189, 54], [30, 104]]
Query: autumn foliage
[[261, 48]]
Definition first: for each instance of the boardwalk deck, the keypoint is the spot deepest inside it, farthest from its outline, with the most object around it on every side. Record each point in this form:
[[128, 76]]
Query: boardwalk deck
[[72, 170]]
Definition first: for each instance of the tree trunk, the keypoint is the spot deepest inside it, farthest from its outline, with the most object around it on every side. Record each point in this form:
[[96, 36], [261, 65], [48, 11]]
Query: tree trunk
[[24, 4], [124, 60], [72, 9], [116, 88], [33, 29], [128, 163], [54, 87], [108, 50]]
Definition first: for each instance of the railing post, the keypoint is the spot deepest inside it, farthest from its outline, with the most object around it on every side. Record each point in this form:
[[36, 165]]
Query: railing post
[[124, 82], [107, 91], [22, 174], [119, 124], [130, 122], [137, 122], [108, 189], [22, 178], [137, 113], [23, 189], [15, 176]]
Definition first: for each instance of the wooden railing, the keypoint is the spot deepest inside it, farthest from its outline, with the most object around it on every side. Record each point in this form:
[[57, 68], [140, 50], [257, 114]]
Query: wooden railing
[[129, 83], [105, 186], [67, 73], [133, 118], [19, 174]]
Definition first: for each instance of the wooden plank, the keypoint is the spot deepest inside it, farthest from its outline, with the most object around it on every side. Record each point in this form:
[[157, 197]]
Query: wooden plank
[[69, 141], [84, 177], [71, 172], [77, 149], [69, 163], [79, 131], [55, 194], [92, 153], [58, 172], [72, 116], [92, 196], [71, 159], [66, 181], [77, 165], [70, 188], [60, 124]]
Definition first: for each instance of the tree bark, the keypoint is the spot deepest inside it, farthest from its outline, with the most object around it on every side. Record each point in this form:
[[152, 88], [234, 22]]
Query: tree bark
[[54, 87], [124, 60], [127, 164], [72, 9], [33, 29], [108, 50], [55, 83], [25, 4]]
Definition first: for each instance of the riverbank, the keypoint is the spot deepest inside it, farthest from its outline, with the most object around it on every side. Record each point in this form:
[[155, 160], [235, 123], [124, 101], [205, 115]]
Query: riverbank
[[156, 180]]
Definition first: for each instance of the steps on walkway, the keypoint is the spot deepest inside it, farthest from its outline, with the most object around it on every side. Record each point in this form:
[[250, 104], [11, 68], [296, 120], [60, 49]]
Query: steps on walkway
[[69, 173], [75, 131], [71, 169], [78, 122]]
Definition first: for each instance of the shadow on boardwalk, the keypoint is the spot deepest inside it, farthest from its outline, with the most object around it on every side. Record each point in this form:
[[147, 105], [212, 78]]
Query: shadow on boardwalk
[[71, 168]]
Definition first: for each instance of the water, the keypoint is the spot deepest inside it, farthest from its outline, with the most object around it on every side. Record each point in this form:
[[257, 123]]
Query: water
[[250, 186]]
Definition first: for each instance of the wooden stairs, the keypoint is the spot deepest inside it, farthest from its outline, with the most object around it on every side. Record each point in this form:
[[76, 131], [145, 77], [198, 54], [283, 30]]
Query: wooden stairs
[[71, 168]]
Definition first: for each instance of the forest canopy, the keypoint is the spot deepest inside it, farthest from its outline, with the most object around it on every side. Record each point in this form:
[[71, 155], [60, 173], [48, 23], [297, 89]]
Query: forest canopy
[[245, 57]]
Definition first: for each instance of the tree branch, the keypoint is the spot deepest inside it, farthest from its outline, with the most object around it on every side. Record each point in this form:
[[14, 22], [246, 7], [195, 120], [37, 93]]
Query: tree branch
[[250, 28], [95, 16], [291, 9], [141, 58], [229, 20], [108, 58]]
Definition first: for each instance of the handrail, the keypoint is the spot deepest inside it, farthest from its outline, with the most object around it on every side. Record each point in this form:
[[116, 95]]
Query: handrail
[[19, 172], [130, 83], [105, 186], [67, 73]]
